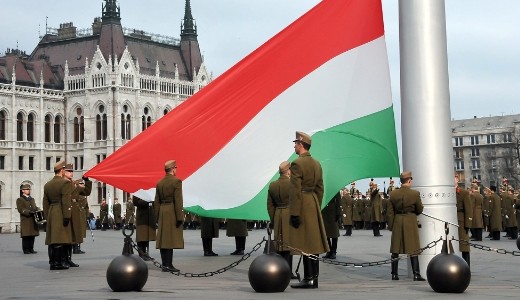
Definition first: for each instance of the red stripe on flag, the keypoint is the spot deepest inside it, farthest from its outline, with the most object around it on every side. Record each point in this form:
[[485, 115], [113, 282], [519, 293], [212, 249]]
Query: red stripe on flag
[[199, 128]]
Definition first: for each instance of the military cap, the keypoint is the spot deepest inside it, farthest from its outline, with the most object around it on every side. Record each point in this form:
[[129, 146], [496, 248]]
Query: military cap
[[284, 166], [59, 165], [25, 187], [303, 137], [510, 188], [170, 164], [69, 167], [406, 174]]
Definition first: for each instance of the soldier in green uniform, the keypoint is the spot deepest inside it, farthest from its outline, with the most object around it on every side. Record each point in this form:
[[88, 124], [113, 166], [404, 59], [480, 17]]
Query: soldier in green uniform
[[346, 207], [238, 230], [278, 203], [84, 216], [209, 229], [464, 218], [307, 231], [116, 209], [478, 223], [144, 225], [168, 213], [57, 211], [103, 214], [331, 215], [130, 213], [26, 206], [509, 212], [357, 211], [376, 209], [404, 207], [77, 221], [495, 212], [76, 233]]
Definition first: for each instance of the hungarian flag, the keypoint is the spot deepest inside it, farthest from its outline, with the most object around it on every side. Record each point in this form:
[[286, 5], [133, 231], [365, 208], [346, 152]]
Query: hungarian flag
[[326, 74]]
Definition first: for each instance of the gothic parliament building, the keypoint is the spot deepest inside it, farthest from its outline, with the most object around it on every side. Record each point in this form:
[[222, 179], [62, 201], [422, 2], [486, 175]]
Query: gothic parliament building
[[82, 94]]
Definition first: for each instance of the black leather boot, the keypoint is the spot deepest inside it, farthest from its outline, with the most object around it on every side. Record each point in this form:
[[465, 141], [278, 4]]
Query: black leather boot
[[167, 263], [395, 267], [465, 256], [69, 256], [414, 260], [316, 272], [210, 249], [333, 248], [308, 275], [58, 258], [207, 246], [238, 247]]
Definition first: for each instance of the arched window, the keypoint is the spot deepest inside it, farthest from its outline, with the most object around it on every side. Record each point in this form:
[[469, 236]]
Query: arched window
[[57, 129], [3, 123], [48, 121], [165, 111], [81, 129], [101, 124], [126, 133], [146, 119], [19, 127], [30, 128], [76, 129]]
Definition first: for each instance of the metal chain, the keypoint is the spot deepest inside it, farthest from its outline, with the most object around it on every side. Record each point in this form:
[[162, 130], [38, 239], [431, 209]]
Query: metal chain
[[205, 274], [361, 265], [487, 248]]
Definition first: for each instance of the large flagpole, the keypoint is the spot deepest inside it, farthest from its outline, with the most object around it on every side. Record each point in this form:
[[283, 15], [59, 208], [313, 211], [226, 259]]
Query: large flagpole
[[425, 117]]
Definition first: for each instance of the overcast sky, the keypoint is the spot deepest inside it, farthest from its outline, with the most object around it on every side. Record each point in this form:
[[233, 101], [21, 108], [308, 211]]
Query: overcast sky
[[483, 38]]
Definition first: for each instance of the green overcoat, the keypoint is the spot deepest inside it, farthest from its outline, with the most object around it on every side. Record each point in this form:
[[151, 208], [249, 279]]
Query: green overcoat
[[464, 217], [26, 206], [404, 206], [495, 212], [168, 210], [477, 200], [346, 207], [236, 227], [278, 208], [305, 198], [331, 215], [78, 220], [144, 220], [57, 206]]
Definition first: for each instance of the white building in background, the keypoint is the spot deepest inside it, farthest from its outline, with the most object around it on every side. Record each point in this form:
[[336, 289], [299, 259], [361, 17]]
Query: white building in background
[[487, 149], [82, 94]]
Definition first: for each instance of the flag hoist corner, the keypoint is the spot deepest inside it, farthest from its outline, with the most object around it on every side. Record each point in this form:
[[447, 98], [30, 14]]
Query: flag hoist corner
[[325, 74]]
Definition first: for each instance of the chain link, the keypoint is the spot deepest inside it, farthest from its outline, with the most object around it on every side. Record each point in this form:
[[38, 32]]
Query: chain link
[[487, 248], [205, 274], [361, 265]]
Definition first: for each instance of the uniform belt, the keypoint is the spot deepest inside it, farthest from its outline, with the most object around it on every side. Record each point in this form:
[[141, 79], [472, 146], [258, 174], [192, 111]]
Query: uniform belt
[[309, 190], [282, 207], [460, 210], [163, 201], [54, 202], [403, 212]]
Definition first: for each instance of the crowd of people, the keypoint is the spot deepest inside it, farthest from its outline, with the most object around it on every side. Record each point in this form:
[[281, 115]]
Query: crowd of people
[[293, 203]]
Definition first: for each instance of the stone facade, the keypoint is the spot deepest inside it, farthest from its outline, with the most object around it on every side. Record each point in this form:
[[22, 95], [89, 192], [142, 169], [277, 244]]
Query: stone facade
[[95, 108]]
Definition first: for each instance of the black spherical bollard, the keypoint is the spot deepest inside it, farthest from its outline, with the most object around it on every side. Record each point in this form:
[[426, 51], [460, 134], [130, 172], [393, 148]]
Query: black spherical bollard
[[127, 273], [518, 243], [269, 274], [448, 273]]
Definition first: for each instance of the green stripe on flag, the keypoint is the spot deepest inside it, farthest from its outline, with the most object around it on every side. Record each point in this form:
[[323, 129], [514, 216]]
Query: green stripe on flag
[[362, 148]]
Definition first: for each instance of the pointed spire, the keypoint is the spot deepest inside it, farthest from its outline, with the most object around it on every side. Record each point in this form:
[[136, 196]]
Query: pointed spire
[[188, 25], [86, 65], [66, 68], [176, 72], [111, 12], [157, 71]]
